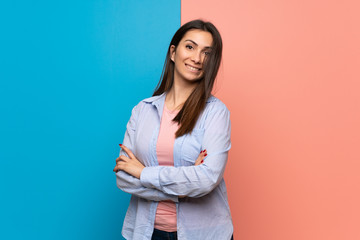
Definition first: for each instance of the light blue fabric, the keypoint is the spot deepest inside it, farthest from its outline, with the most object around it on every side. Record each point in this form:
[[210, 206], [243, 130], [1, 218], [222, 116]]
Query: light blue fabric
[[204, 213]]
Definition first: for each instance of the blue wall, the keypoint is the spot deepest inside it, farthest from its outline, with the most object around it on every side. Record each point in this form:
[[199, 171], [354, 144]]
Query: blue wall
[[70, 73]]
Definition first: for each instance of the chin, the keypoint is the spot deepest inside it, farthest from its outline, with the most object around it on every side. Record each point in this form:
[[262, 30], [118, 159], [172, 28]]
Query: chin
[[195, 80]]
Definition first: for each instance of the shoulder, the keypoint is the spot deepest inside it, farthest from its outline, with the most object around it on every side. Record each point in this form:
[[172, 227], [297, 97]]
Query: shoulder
[[215, 104], [152, 99], [215, 111], [147, 103], [149, 100]]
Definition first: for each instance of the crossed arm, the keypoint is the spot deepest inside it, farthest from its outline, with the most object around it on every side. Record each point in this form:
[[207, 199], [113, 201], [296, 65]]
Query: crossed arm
[[134, 167], [169, 183], [128, 171]]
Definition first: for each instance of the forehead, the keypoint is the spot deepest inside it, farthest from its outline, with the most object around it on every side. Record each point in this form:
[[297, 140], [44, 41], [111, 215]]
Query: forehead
[[200, 37]]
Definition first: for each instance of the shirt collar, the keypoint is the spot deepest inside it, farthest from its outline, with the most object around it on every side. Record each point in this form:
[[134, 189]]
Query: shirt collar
[[156, 99], [158, 102]]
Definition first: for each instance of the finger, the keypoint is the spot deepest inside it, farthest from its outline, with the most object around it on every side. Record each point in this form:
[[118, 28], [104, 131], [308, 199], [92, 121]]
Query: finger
[[122, 158], [120, 166], [199, 159], [128, 151], [199, 162], [204, 152]]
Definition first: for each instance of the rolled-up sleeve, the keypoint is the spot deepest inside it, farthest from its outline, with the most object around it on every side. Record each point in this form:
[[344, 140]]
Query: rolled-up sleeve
[[197, 181], [130, 184]]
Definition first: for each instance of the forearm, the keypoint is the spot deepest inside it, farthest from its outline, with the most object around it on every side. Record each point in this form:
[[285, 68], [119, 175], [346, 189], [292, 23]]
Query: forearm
[[191, 181], [132, 185]]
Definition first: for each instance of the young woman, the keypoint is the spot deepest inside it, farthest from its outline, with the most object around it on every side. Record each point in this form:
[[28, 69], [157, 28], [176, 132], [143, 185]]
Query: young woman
[[176, 145]]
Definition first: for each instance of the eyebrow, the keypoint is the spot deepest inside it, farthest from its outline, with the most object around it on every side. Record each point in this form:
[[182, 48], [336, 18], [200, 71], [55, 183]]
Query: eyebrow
[[196, 43]]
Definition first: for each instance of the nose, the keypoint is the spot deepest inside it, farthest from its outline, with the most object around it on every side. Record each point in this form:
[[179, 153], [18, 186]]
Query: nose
[[196, 57]]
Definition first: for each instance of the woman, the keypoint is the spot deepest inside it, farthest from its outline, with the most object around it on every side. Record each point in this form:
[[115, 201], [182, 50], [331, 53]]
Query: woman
[[176, 147]]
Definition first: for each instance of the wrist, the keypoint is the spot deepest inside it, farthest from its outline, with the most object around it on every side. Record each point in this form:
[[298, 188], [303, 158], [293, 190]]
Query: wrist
[[140, 169]]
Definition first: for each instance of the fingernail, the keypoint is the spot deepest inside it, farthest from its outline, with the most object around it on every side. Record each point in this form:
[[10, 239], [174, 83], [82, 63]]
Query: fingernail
[[202, 161], [205, 155], [120, 144]]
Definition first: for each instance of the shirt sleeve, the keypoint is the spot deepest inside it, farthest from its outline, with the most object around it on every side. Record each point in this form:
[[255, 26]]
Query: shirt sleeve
[[130, 184], [196, 181]]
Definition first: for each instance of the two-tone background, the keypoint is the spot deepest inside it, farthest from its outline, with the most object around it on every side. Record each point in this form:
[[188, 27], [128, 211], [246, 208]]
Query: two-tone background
[[71, 71]]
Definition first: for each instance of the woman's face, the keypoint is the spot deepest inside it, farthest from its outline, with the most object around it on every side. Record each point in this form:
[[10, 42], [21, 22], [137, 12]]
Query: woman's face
[[190, 54]]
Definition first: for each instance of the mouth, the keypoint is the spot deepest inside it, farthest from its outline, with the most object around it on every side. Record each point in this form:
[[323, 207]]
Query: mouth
[[192, 68]]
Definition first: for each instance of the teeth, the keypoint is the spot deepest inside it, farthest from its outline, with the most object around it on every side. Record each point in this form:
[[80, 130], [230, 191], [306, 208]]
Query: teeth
[[192, 68]]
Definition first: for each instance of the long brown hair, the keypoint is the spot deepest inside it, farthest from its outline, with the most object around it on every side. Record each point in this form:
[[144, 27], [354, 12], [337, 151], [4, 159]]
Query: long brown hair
[[195, 104]]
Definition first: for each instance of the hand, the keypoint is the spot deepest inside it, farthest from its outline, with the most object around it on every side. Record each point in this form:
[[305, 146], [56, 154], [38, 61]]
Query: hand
[[201, 157], [199, 160], [130, 164]]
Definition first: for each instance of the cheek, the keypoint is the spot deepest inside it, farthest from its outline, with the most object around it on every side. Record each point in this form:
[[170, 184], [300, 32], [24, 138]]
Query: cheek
[[182, 55]]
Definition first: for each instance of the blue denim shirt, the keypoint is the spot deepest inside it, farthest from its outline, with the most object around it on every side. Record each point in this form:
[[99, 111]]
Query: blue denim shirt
[[204, 213]]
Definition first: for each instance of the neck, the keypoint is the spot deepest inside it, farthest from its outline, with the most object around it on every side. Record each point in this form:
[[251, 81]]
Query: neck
[[178, 94]]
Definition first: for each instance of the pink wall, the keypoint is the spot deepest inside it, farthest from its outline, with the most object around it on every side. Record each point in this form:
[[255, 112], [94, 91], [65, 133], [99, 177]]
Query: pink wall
[[290, 78]]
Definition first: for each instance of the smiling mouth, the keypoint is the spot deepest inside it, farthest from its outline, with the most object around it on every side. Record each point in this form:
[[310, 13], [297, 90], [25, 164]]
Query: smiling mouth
[[193, 69]]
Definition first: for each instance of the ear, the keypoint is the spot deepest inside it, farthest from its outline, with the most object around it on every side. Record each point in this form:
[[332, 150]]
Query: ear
[[172, 53]]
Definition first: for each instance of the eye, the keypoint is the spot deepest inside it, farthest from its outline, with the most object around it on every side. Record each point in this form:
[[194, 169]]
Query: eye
[[189, 47], [207, 53]]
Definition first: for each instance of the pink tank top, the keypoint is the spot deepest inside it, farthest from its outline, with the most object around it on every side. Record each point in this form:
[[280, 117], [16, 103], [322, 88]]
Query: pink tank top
[[165, 218]]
